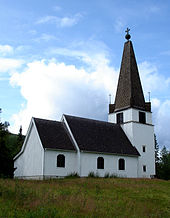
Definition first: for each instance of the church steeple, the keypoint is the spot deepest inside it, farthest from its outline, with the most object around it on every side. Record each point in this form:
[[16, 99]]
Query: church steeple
[[129, 90]]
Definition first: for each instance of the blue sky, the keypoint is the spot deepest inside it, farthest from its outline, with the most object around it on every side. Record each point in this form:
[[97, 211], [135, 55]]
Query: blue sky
[[64, 57]]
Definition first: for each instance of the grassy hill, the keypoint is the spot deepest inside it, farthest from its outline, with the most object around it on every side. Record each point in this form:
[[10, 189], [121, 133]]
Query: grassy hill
[[85, 197]]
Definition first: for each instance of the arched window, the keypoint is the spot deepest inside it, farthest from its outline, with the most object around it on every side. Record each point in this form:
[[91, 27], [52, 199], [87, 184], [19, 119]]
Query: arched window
[[60, 160], [121, 164], [100, 163]]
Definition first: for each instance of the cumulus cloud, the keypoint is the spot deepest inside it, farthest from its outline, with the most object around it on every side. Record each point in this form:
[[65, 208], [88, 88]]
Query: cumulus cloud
[[162, 123], [60, 21], [51, 89], [158, 85], [152, 80]]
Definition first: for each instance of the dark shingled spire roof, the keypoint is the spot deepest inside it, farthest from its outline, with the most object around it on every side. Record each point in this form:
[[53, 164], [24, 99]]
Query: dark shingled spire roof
[[129, 90]]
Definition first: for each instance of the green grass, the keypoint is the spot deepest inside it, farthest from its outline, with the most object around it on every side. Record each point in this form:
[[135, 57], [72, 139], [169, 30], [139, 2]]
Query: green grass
[[85, 197]]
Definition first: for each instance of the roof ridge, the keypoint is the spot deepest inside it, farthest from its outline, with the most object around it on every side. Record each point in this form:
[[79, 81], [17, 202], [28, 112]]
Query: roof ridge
[[49, 120], [98, 121]]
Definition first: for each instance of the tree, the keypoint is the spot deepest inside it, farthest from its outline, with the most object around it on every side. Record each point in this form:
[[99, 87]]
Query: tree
[[20, 140], [6, 161], [164, 165]]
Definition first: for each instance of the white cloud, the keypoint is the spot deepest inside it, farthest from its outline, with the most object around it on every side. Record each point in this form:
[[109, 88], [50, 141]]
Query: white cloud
[[60, 21], [158, 85], [9, 65], [6, 49], [46, 19], [70, 21], [52, 88], [162, 120], [152, 81]]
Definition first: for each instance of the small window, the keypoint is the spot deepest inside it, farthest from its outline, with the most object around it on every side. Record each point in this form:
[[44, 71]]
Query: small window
[[144, 168], [121, 164], [119, 117], [142, 117], [144, 148], [100, 163], [60, 160]]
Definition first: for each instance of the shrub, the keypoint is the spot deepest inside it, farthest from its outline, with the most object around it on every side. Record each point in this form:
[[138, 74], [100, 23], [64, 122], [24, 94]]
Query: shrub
[[93, 175], [107, 175], [73, 175]]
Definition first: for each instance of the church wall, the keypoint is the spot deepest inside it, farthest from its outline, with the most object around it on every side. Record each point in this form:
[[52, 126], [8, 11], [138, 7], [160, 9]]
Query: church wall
[[142, 135], [112, 118], [30, 163], [50, 163], [89, 164]]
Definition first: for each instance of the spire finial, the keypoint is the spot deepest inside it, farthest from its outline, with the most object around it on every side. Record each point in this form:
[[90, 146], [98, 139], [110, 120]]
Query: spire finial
[[127, 34]]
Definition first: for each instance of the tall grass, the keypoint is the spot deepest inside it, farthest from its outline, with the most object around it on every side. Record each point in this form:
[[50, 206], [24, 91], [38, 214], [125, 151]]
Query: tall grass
[[85, 197]]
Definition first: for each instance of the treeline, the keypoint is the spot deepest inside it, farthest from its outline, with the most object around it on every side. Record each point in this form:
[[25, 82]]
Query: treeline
[[10, 145], [162, 162]]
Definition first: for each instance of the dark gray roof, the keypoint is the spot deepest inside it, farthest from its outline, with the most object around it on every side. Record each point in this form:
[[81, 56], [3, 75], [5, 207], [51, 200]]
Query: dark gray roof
[[129, 90], [99, 136], [53, 134]]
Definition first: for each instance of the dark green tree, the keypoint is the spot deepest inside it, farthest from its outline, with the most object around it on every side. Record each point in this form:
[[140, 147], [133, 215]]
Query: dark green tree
[[20, 140], [164, 165], [6, 161]]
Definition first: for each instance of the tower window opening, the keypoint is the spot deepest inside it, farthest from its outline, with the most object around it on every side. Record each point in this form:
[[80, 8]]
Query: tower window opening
[[119, 117], [144, 148], [142, 117]]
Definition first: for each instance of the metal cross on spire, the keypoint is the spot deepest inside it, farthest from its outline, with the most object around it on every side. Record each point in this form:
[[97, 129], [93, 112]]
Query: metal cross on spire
[[127, 34], [127, 30]]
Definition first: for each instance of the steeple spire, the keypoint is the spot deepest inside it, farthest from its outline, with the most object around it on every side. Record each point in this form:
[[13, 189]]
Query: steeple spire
[[129, 90]]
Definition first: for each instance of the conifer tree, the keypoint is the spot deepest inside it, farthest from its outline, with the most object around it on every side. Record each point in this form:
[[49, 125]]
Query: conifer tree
[[164, 165], [6, 161]]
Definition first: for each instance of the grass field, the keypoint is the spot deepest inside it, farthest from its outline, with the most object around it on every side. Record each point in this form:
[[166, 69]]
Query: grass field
[[85, 197]]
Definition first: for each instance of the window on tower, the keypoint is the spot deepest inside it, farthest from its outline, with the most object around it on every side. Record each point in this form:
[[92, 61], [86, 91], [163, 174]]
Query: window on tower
[[142, 117], [144, 148], [119, 117]]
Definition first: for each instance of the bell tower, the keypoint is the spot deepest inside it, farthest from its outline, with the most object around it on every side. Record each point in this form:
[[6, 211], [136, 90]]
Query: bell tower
[[132, 112]]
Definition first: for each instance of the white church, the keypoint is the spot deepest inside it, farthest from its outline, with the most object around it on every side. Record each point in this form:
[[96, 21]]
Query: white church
[[123, 146]]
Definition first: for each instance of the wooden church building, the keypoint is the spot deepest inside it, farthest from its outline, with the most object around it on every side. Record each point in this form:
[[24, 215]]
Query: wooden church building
[[123, 146]]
